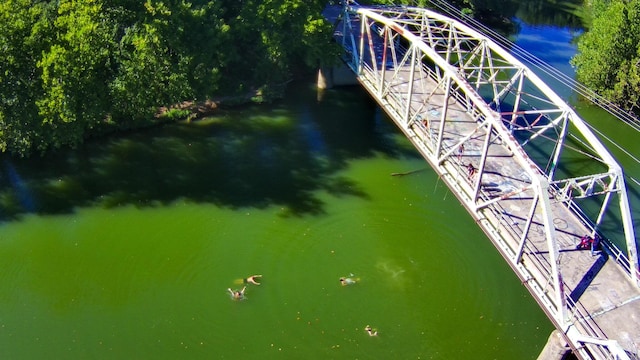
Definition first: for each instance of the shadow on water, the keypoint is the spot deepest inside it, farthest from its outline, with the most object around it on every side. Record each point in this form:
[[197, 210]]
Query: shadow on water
[[567, 13], [256, 156]]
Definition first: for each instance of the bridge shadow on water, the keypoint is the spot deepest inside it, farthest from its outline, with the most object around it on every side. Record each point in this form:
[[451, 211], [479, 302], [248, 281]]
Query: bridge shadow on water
[[256, 156]]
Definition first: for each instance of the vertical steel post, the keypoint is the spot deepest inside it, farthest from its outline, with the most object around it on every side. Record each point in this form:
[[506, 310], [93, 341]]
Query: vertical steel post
[[447, 91], [627, 224], [483, 159], [361, 54], [407, 113], [559, 144], [525, 231], [541, 187], [372, 51], [383, 65], [516, 103], [605, 205]]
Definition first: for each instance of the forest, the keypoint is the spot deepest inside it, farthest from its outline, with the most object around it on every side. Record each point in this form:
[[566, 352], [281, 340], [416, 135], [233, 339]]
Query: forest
[[608, 59], [74, 69]]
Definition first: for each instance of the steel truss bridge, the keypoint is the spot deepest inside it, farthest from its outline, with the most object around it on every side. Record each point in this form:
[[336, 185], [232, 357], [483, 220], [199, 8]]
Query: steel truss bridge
[[501, 140]]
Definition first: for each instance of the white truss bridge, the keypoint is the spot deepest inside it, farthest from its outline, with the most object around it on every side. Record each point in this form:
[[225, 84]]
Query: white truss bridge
[[500, 139]]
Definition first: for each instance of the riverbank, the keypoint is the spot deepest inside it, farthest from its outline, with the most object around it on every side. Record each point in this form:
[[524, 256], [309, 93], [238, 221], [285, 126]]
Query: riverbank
[[191, 110]]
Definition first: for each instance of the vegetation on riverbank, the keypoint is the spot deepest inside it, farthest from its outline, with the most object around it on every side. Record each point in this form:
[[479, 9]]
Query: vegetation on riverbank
[[72, 69], [608, 59]]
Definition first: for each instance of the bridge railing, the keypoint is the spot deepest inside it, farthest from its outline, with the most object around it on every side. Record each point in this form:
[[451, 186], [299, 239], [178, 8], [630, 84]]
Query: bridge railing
[[593, 340], [579, 317], [612, 249]]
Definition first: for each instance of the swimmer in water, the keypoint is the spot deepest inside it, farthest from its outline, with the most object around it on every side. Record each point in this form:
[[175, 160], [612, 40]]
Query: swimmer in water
[[370, 331], [253, 279], [344, 281], [237, 294]]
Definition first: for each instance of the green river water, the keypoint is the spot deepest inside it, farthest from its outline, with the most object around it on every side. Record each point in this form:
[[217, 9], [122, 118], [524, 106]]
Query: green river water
[[126, 247]]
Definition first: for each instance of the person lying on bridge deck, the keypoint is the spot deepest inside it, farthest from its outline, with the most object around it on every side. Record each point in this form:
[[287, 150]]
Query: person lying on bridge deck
[[585, 243], [589, 243]]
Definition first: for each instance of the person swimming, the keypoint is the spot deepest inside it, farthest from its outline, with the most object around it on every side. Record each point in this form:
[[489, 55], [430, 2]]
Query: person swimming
[[344, 281], [370, 331], [237, 294], [253, 279]]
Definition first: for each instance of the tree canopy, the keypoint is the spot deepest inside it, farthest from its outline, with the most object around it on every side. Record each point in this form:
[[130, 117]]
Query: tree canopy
[[72, 68], [608, 59]]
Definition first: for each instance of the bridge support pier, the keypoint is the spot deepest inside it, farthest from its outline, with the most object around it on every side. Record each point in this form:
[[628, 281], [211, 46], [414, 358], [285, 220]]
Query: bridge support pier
[[324, 82], [339, 75], [556, 348]]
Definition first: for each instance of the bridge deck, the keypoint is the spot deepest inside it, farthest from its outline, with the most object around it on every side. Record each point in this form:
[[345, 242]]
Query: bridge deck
[[606, 302]]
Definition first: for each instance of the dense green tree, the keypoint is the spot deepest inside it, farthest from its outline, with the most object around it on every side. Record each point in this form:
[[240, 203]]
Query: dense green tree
[[25, 32], [75, 71], [148, 76], [70, 69], [608, 59]]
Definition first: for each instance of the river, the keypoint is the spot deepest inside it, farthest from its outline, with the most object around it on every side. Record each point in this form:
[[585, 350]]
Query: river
[[126, 247]]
